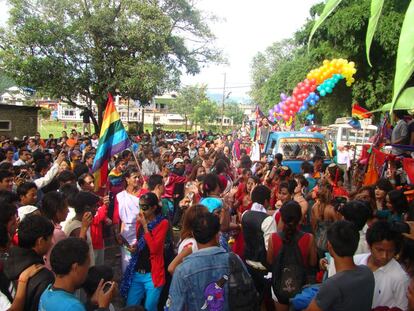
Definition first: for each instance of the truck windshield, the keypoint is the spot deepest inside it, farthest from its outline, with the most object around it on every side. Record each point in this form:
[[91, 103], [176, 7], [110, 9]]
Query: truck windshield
[[302, 148]]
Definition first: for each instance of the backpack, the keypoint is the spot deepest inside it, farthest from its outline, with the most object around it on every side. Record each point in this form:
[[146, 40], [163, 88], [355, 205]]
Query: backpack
[[242, 292], [288, 271]]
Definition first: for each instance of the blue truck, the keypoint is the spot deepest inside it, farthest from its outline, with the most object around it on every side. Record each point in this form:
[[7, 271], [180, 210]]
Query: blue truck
[[297, 147]]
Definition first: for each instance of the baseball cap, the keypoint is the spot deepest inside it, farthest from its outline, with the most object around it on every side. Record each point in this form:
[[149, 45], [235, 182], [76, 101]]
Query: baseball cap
[[177, 160]]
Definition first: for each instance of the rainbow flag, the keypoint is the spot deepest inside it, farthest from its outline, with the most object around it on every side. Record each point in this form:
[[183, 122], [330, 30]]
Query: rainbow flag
[[113, 139], [360, 113]]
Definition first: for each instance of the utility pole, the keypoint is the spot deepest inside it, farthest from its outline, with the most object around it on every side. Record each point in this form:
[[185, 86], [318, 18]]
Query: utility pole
[[222, 103]]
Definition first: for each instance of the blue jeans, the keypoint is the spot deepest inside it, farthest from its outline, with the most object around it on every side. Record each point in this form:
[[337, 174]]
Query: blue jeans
[[141, 286]]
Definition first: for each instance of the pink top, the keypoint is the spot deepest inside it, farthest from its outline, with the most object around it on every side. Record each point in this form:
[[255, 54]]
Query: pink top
[[58, 235]]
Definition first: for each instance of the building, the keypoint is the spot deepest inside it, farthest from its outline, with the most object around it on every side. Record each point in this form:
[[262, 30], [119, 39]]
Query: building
[[18, 121]]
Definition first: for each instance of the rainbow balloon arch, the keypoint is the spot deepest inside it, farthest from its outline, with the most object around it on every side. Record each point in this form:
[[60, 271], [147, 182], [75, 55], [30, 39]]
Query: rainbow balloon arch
[[319, 82]]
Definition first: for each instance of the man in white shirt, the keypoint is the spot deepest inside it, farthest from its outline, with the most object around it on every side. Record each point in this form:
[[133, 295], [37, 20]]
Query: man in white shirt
[[344, 161], [149, 167], [391, 281], [24, 157]]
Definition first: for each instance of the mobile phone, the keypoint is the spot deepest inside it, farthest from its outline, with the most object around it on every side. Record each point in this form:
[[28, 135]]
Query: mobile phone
[[124, 241], [107, 286]]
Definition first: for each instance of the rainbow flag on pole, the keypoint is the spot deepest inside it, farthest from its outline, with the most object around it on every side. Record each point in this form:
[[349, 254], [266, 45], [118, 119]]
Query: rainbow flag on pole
[[113, 139], [360, 113]]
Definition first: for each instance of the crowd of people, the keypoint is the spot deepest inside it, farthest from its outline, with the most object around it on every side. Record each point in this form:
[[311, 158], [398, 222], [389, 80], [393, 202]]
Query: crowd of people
[[198, 226]]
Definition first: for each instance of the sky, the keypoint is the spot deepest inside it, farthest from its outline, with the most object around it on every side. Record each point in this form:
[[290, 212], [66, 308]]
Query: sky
[[245, 27]]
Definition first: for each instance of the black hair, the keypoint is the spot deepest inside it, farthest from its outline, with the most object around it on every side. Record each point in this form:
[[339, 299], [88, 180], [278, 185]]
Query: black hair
[[210, 183], [95, 274], [400, 113], [398, 201], [6, 166], [220, 166], [4, 236], [260, 194], [33, 227], [357, 212], [25, 187], [5, 174], [151, 200], [7, 211], [384, 184], [343, 237], [245, 162], [279, 157], [131, 170], [66, 176], [81, 179], [133, 308], [89, 155], [382, 230], [52, 202], [302, 180], [291, 213], [67, 252], [155, 180], [205, 227], [70, 191], [41, 164], [7, 197], [125, 153], [80, 169], [306, 167], [289, 185], [118, 161], [84, 199]]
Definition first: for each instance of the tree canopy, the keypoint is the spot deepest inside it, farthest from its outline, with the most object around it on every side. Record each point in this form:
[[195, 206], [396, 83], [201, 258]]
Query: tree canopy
[[342, 35], [90, 47]]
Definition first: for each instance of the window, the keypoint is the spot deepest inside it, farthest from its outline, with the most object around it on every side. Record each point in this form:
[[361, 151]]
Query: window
[[302, 148], [68, 113], [5, 125]]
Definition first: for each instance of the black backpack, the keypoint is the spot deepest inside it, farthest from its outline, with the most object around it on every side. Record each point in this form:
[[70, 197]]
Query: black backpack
[[288, 271], [242, 292]]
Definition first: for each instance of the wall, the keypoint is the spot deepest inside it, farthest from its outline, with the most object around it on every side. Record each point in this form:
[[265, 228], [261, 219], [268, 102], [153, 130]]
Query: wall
[[23, 120]]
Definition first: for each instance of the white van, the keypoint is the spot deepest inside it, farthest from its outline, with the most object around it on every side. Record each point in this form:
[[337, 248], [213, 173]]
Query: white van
[[342, 133]]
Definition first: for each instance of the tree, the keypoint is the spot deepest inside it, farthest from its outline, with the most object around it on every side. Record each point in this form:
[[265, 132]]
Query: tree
[[188, 98], [92, 47], [342, 36], [205, 112], [233, 111], [405, 55], [5, 83]]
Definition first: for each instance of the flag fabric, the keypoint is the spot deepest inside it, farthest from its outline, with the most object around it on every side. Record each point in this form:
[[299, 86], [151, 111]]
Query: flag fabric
[[360, 113], [113, 139], [355, 124]]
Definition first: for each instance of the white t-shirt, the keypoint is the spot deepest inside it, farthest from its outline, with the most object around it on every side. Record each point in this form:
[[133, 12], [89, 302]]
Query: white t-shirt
[[391, 283], [186, 243], [4, 302], [128, 206]]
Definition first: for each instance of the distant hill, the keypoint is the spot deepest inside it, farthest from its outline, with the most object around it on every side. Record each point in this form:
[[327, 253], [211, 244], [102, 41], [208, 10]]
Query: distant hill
[[218, 98]]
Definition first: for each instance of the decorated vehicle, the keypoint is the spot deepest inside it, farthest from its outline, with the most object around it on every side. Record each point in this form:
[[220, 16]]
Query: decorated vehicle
[[297, 147]]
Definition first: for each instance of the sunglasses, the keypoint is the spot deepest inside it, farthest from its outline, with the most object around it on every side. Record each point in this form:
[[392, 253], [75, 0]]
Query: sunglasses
[[144, 207]]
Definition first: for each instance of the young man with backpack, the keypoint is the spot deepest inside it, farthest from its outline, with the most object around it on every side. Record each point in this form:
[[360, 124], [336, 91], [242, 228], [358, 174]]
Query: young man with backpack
[[35, 239], [257, 228], [291, 253], [211, 279], [352, 287]]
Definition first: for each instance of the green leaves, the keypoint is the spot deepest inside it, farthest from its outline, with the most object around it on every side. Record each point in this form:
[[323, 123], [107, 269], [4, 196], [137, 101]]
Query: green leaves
[[376, 8], [405, 55], [327, 10]]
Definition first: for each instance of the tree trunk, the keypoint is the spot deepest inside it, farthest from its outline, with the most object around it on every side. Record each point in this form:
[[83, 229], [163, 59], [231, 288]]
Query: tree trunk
[[185, 117], [141, 130]]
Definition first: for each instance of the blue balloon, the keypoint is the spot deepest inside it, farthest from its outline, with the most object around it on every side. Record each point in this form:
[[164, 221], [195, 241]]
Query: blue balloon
[[313, 102], [323, 93]]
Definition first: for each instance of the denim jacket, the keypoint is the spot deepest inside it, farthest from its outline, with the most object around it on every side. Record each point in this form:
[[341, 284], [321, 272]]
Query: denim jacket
[[194, 283]]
